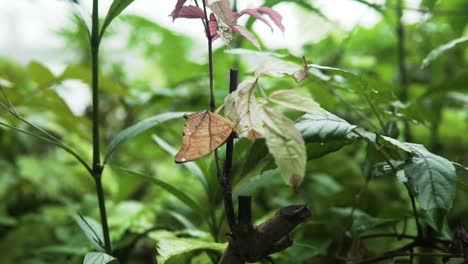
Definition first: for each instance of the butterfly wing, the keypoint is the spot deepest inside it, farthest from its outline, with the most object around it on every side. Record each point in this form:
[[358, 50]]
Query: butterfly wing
[[203, 132]]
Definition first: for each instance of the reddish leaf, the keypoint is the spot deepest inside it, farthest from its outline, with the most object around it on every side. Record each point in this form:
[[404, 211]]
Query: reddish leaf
[[178, 7], [254, 13], [247, 35], [213, 26], [274, 16], [189, 12]]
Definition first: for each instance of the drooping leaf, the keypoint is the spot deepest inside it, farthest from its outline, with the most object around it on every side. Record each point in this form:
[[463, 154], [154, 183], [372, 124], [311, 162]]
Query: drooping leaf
[[241, 107], [183, 197], [439, 51], [286, 145], [98, 258], [245, 33], [177, 9], [115, 9], [191, 166], [293, 100], [274, 16], [432, 178], [137, 129], [92, 230]]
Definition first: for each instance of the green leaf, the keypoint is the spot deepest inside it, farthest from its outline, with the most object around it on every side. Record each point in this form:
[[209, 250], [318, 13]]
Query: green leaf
[[92, 230], [191, 166], [322, 127], [286, 145], [183, 197], [323, 133], [173, 249], [439, 51], [115, 9], [98, 258], [79, 72], [137, 129], [293, 100], [432, 178], [40, 74]]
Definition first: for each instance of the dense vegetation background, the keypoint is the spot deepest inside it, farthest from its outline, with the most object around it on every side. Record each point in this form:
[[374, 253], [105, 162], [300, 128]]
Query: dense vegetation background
[[417, 85]]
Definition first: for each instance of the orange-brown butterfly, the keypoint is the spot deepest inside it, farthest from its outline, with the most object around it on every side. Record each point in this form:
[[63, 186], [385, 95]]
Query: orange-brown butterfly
[[203, 133]]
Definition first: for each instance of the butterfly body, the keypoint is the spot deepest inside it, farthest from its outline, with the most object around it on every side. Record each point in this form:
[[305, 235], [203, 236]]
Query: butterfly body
[[203, 133]]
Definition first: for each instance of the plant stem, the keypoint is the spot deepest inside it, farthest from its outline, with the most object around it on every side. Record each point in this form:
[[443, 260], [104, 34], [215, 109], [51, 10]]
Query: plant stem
[[97, 168], [387, 159], [403, 80]]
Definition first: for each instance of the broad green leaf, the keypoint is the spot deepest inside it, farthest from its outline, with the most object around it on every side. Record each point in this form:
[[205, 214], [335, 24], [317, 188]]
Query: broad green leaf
[[137, 129], [183, 197], [432, 178], [79, 72], [323, 133], [98, 258], [191, 166], [241, 107], [439, 51], [115, 9], [293, 100], [267, 178], [92, 230], [323, 127], [173, 249], [40, 74], [462, 186], [286, 145]]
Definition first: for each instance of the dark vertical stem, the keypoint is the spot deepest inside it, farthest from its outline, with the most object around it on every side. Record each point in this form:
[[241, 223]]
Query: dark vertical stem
[[97, 167], [403, 79], [226, 177]]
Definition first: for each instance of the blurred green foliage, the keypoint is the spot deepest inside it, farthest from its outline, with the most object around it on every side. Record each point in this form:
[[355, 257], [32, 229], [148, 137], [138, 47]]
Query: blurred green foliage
[[42, 188]]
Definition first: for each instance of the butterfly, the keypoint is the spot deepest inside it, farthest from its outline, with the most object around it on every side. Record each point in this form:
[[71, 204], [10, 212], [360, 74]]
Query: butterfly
[[204, 132]]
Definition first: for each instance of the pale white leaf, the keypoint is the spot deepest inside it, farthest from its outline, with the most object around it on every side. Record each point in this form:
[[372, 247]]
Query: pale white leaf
[[286, 145], [275, 67], [242, 108], [293, 100]]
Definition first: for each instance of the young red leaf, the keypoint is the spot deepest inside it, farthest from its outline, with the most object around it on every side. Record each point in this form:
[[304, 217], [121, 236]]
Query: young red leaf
[[254, 13], [274, 16], [247, 35], [189, 12], [178, 7]]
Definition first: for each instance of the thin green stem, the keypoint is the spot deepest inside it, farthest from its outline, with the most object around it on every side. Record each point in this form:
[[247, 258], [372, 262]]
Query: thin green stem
[[376, 113], [97, 167], [59, 144]]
